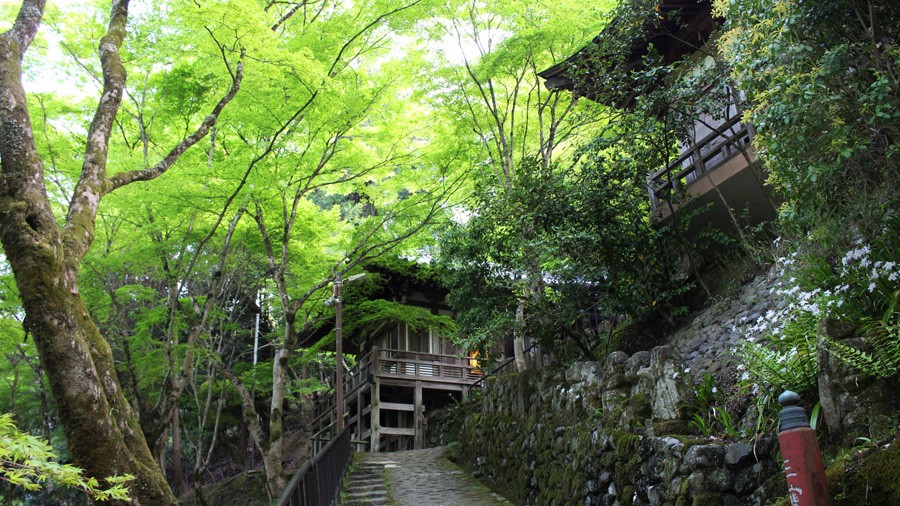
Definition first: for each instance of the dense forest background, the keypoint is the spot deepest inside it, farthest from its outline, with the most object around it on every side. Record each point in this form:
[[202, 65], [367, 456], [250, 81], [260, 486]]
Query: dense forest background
[[181, 177]]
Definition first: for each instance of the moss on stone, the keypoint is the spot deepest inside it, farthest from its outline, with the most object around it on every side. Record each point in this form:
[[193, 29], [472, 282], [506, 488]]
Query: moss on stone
[[670, 427], [689, 441], [856, 479], [707, 499], [628, 492], [627, 456]]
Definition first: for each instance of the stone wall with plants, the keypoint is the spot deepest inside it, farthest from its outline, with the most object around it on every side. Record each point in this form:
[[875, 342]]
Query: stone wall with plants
[[607, 433], [696, 420]]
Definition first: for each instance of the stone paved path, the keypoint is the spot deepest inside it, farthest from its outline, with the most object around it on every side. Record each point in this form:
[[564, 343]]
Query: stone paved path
[[366, 485], [428, 478]]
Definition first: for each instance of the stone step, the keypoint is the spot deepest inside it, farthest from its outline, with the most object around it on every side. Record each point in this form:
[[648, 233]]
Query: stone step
[[368, 493], [366, 479], [365, 483], [369, 469], [365, 499], [364, 491], [366, 476]]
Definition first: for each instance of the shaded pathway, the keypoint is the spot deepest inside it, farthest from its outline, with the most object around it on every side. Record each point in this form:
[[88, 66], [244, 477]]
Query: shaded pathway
[[426, 478]]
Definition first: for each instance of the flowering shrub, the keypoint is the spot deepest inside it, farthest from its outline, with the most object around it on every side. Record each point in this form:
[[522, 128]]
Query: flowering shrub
[[863, 287]]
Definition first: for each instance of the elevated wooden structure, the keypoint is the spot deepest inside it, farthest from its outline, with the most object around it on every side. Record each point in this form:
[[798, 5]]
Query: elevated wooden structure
[[389, 390], [717, 170], [717, 167]]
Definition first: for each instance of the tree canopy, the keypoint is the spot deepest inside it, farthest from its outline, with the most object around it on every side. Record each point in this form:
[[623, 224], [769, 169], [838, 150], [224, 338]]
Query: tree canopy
[[182, 181]]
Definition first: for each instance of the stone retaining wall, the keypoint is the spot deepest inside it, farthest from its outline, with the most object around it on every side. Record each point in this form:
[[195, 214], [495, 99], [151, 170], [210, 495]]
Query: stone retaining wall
[[708, 341], [610, 433]]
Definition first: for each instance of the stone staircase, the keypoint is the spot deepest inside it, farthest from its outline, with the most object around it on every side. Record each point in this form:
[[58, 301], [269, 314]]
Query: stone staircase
[[366, 484]]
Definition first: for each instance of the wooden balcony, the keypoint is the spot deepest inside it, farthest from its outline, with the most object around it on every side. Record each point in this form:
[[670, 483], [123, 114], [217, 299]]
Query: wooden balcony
[[430, 367], [414, 372], [719, 169]]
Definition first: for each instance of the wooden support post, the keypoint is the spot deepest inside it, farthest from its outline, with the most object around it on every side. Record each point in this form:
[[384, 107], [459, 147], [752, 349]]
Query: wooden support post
[[359, 413], [376, 415], [698, 162], [418, 417]]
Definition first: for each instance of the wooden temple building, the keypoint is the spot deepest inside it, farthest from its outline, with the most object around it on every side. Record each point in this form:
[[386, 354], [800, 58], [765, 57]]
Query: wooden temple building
[[717, 166], [400, 376]]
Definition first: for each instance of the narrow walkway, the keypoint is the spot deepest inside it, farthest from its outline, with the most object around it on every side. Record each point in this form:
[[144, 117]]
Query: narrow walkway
[[418, 478]]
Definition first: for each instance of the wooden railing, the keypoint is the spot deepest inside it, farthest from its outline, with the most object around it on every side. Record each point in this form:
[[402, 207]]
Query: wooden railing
[[426, 365], [707, 154], [354, 378], [385, 361], [318, 482]]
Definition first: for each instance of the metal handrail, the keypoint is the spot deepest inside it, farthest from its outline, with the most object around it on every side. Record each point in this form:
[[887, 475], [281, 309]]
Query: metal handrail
[[318, 482]]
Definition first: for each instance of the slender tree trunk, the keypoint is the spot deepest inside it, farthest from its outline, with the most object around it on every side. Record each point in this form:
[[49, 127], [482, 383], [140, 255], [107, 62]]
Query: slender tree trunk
[[251, 421], [177, 470], [519, 336], [35, 366], [272, 459], [14, 388], [38, 371]]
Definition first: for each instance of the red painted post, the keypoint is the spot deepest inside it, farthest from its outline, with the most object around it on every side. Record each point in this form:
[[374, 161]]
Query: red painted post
[[800, 451]]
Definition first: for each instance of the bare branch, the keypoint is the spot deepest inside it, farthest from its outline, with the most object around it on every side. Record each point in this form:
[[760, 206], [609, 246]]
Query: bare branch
[[123, 178], [337, 59]]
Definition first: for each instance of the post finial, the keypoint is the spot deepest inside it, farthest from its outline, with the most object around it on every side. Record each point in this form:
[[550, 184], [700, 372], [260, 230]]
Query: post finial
[[789, 398]]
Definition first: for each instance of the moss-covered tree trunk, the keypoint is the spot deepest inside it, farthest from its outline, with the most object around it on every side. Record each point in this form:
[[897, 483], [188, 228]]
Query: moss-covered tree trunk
[[102, 430]]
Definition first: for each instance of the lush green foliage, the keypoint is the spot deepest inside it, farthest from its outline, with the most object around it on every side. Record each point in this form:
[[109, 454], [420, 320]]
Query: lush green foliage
[[27, 462], [708, 412], [368, 316], [822, 84], [560, 229], [349, 142]]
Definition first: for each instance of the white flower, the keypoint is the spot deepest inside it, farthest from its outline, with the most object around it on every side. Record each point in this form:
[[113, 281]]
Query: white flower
[[892, 277], [871, 287]]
